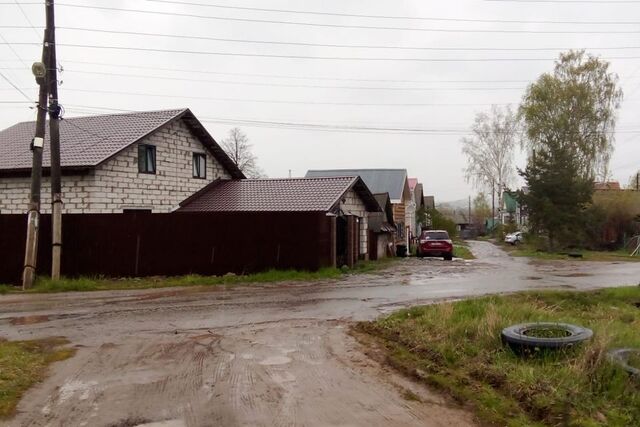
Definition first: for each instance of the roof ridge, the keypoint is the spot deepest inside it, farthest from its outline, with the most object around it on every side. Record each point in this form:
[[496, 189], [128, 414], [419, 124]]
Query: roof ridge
[[358, 169], [295, 178], [123, 113]]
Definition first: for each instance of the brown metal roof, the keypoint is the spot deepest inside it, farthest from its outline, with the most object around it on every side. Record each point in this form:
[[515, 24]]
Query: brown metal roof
[[86, 142], [609, 185], [277, 195]]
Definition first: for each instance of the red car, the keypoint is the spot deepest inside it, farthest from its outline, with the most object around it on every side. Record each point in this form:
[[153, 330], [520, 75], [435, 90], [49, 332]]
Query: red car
[[435, 243]]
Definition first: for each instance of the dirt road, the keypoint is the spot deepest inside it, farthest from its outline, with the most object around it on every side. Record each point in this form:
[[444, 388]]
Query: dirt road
[[276, 355]]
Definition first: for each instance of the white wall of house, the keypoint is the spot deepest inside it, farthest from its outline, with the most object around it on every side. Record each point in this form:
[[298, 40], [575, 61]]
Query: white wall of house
[[384, 240], [116, 184], [410, 216], [354, 205]]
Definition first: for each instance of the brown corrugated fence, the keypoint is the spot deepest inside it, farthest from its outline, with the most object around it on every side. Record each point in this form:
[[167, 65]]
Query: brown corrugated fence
[[144, 244]]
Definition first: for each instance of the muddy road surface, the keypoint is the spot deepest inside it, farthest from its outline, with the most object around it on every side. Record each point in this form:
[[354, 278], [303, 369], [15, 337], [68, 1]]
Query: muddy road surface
[[272, 355]]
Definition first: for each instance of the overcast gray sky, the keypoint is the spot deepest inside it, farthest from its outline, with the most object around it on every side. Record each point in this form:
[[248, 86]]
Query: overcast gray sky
[[424, 97]]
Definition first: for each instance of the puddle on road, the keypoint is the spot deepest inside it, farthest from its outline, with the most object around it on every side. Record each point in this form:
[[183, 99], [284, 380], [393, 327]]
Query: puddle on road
[[29, 320], [574, 275], [275, 360]]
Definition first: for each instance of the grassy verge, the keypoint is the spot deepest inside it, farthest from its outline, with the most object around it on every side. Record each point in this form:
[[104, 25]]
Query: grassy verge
[[524, 250], [85, 284], [24, 363], [460, 251], [456, 347]]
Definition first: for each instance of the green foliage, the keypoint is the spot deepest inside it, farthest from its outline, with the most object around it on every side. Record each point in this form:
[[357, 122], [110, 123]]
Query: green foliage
[[569, 117], [612, 216], [441, 222], [457, 348], [85, 284], [481, 211], [634, 182], [421, 215], [462, 251], [558, 197], [573, 110]]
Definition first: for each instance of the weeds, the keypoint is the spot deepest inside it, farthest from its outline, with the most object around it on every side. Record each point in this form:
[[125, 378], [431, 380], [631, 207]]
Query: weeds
[[24, 363], [457, 348], [85, 284]]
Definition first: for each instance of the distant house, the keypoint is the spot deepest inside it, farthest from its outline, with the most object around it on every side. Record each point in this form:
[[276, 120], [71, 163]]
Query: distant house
[[429, 203], [392, 181], [114, 163], [607, 186], [512, 211], [344, 201], [416, 203], [382, 228]]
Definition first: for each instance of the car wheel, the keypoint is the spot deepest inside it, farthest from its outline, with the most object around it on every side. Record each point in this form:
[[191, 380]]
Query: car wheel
[[448, 257]]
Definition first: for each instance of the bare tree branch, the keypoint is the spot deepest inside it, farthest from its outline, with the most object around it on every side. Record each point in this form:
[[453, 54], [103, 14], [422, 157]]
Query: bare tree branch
[[238, 148], [490, 151]]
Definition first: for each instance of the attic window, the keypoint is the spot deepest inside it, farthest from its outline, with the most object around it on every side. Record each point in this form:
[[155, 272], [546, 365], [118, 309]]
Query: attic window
[[199, 165], [147, 158]]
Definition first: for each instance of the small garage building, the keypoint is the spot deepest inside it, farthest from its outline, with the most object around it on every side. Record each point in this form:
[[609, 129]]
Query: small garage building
[[344, 202]]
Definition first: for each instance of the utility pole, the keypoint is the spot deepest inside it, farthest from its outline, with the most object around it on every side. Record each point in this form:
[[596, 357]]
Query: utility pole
[[469, 219], [638, 181], [493, 204], [54, 136], [39, 70]]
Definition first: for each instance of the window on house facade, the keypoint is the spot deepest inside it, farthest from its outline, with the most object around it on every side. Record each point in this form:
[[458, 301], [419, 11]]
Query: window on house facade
[[199, 165], [146, 158]]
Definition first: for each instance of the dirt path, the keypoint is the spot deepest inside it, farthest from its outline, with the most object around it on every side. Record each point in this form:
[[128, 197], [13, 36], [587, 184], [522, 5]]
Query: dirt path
[[261, 355]]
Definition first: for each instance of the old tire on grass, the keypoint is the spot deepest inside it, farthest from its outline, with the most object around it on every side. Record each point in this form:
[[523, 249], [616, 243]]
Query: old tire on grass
[[620, 357], [520, 337]]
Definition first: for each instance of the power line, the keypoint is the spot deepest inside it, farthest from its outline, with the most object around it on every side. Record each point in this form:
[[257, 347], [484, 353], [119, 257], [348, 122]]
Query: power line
[[283, 76], [287, 76], [415, 18], [331, 58], [367, 27], [329, 45], [16, 87], [27, 18], [10, 46], [342, 46], [278, 101], [245, 83], [324, 127]]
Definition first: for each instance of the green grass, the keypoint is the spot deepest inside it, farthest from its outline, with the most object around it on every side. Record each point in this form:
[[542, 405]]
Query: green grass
[[86, 284], [24, 363], [5, 289], [524, 250], [457, 348], [460, 251]]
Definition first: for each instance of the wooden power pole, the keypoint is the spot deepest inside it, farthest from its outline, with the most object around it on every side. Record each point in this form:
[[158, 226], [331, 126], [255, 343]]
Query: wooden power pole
[[54, 136], [40, 71]]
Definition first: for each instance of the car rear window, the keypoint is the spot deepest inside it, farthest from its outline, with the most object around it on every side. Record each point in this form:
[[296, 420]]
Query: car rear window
[[436, 235]]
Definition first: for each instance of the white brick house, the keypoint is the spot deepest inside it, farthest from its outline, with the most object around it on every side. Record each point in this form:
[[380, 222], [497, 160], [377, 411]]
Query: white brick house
[[113, 163]]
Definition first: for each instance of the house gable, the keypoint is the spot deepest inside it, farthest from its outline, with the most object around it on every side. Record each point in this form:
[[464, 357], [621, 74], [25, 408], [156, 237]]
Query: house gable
[[114, 184]]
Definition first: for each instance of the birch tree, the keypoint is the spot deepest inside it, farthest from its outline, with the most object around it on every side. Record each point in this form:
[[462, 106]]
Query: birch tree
[[491, 148]]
